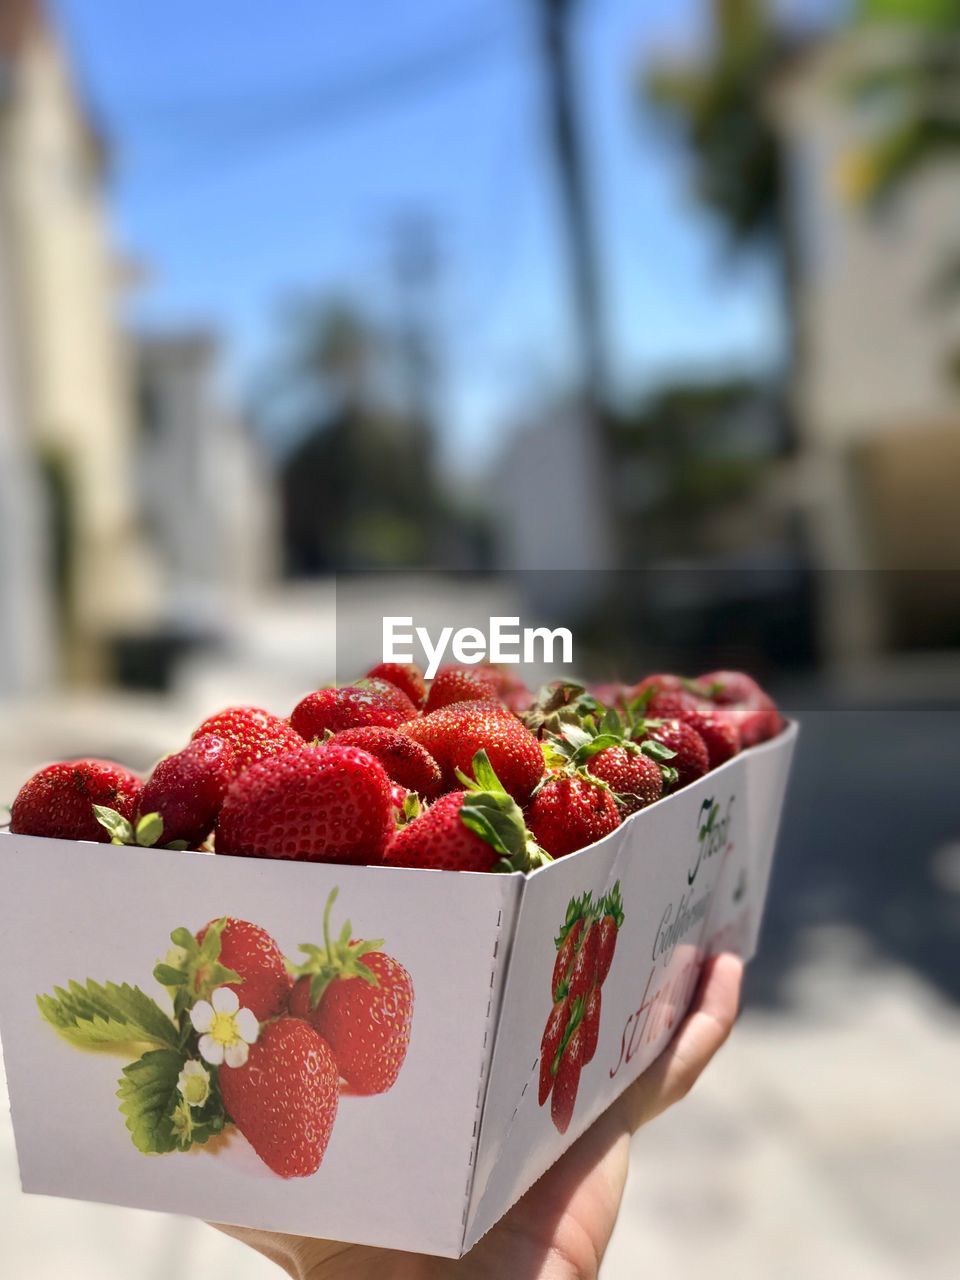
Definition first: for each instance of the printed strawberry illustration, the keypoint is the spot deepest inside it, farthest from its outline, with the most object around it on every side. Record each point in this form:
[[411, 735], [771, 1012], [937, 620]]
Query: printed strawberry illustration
[[253, 733], [284, 1098], [478, 829], [405, 676], [58, 801], [585, 947], [327, 804], [360, 1000], [454, 734], [330, 710], [263, 983]]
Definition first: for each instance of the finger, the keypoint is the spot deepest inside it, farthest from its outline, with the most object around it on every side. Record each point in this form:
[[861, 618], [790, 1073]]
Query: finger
[[702, 1032]]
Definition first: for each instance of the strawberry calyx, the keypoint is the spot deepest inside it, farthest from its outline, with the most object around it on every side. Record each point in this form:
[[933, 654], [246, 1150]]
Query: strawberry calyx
[[192, 969], [577, 909], [340, 957], [572, 749], [489, 811], [612, 905], [145, 833], [559, 703]]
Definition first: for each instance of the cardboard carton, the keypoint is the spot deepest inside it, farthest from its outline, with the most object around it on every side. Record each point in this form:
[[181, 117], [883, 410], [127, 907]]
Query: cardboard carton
[[431, 1164]]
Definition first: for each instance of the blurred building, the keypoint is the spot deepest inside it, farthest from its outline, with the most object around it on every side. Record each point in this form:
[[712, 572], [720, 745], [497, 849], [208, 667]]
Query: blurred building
[[205, 490], [62, 305], [876, 382]]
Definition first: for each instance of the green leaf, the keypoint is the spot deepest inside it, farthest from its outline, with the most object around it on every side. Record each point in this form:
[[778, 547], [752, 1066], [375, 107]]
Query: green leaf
[[149, 829], [185, 939], [168, 976], [115, 824], [148, 1098], [93, 1014]]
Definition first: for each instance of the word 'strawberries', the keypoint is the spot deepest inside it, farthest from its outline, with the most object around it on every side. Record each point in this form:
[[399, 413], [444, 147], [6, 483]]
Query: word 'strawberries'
[[406, 761], [453, 736], [360, 1000], [264, 984], [406, 676], [187, 789], [569, 812], [326, 804], [284, 1098], [478, 829], [58, 801], [461, 684], [330, 710], [253, 733]]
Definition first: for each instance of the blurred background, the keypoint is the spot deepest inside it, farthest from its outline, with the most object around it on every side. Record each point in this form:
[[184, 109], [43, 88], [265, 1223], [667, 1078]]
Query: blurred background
[[654, 305]]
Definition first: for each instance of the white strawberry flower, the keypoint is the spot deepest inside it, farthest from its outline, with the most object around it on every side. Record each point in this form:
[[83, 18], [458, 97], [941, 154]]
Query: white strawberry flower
[[194, 1083], [226, 1030]]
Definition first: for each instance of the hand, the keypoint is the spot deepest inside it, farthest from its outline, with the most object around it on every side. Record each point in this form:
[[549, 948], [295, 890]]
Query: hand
[[560, 1229]]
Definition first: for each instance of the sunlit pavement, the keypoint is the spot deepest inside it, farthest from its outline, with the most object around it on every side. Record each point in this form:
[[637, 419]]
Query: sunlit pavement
[[825, 1139]]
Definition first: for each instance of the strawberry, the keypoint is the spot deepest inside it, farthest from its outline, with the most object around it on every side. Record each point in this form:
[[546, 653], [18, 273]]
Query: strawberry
[[675, 704], [187, 789], [253, 733], [611, 918], [284, 1098], [405, 676], [741, 702], [590, 1027], [57, 802], [461, 684], [690, 759], [720, 736], [389, 693], [569, 812], [361, 1001], [248, 950], [583, 974], [335, 709], [637, 780], [566, 945], [454, 734], [651, 685], [552, 1036], [325, 804], [567, 1080], [404, 760], [479, 829]]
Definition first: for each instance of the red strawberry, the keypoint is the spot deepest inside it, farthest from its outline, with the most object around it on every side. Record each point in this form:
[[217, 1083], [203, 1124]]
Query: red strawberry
[[406, 676], [326, 804], [479, 829], [187, 789], [253, 733], [570, 812], [58, 801], [552, 1036], [361, 1001], [583, 975], [567, 1081], [690, 758], [655, 684], [728, 687], [453, 736], [590, 1027], [389, 693], [742, 703], [405, 761], [720, 736], [675, 704], [336, 709], [564, 960], [284, 1098], [611, 918], [249, 951], [459, 684], [635, 778]]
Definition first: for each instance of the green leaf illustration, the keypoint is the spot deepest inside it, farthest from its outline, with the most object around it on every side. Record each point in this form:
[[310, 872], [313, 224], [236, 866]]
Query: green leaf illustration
[[92, 1014]]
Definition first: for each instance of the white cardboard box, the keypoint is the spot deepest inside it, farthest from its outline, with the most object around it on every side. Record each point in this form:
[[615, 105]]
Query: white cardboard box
[[433, 1163]]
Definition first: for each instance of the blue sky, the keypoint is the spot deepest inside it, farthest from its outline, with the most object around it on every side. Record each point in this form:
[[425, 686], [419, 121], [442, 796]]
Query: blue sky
[[238, 188]]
